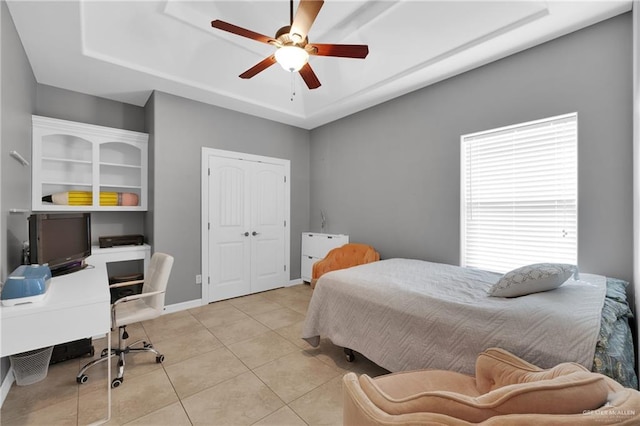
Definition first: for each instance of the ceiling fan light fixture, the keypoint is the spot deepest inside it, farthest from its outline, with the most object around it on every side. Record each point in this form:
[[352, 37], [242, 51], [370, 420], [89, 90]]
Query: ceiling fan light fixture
[[292, 58]]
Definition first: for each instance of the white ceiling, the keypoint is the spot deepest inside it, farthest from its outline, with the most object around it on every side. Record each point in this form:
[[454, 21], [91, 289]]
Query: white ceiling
[[123, 50]]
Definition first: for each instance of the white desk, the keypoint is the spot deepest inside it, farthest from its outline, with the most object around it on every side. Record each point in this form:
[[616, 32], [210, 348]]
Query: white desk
[[77, 306]]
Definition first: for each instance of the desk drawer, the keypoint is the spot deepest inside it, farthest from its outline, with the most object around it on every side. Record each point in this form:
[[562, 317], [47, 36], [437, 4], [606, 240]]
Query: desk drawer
[[29, 332]]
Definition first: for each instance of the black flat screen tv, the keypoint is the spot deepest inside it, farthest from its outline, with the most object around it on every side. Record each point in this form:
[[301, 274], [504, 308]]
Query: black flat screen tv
[[61, 240]]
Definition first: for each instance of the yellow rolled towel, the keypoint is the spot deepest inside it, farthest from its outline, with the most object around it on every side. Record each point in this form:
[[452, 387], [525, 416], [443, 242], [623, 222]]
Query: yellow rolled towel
[[85, 198]]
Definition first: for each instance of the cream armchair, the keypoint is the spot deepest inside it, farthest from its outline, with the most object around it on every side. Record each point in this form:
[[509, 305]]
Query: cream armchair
[[505, 391]]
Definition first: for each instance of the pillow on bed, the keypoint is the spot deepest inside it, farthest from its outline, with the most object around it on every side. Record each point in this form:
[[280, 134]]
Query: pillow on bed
[[532, 279]]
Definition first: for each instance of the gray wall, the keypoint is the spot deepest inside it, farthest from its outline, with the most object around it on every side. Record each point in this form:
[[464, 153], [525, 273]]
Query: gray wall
[[65, 104], [390, 176], [180, 128], [18, 98]]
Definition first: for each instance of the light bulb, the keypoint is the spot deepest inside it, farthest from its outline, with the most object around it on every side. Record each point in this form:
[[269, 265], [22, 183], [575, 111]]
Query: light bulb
[[291, 58]]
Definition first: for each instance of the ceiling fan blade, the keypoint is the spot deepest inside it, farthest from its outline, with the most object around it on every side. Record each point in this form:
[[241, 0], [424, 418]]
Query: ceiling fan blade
[[260, 66], [309, 76], [225, 26], [359, 51], [305, 15]]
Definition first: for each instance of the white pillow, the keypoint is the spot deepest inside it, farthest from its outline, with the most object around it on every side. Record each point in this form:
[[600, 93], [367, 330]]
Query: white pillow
[[532, 279]]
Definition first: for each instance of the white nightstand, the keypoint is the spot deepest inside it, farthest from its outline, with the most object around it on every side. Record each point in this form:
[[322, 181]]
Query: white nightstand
[[315, 247]]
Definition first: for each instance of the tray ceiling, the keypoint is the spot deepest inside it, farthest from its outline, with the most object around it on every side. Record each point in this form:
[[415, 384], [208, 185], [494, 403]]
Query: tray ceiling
[[123, 50]]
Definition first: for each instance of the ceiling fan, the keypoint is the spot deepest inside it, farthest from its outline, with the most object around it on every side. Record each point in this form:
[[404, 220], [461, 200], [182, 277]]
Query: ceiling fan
[[292, 43]]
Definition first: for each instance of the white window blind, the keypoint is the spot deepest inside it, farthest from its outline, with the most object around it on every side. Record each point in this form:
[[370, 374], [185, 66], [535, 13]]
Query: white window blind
[[519, 195]]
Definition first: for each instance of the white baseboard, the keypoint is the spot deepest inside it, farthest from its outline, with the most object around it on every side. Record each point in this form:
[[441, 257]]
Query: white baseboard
[[6, 385], [190, 304], [295, 282]]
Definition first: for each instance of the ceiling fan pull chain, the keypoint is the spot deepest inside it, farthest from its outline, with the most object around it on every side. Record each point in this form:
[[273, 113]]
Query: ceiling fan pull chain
[[293, 88]]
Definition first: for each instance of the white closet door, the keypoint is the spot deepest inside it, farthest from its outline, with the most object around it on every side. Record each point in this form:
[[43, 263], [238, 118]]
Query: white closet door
[[229, 221], [267, 228], [247, 229]]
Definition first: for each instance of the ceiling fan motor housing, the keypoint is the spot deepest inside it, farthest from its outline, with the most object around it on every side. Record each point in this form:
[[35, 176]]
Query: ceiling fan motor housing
[[286, 39]]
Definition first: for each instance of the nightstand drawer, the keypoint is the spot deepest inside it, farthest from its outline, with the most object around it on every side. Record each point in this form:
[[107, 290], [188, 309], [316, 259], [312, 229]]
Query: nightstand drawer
[[307, 267], [315, 247]]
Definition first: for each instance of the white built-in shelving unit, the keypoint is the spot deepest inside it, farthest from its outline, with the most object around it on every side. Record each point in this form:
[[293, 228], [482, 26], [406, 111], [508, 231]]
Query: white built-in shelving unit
[[70, 156]]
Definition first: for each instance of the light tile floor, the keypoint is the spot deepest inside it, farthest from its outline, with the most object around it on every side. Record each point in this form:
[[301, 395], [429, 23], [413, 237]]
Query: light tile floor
[[235, 362]]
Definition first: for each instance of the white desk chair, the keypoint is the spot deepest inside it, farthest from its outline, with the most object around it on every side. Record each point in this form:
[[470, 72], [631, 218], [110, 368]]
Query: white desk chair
[[136, 308]]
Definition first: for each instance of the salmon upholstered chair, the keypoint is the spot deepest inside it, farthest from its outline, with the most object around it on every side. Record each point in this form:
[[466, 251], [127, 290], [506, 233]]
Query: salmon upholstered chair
[[351, 254], [505, 391]]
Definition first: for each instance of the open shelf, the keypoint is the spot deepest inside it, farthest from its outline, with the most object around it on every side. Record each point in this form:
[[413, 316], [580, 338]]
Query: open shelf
[[69, 156]]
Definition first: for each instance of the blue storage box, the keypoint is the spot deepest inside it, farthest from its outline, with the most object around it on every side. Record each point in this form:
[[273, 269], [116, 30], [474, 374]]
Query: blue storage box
[[26, 284]]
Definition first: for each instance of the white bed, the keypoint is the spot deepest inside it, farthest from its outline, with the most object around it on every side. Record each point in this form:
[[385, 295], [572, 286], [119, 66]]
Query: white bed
[[408, 314]]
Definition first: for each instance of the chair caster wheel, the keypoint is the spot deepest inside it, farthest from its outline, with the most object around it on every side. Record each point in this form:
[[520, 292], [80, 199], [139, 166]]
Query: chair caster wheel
[[160, 359], [348, 353], [147, 345], [82, 379], [104, 353], [116, 382]]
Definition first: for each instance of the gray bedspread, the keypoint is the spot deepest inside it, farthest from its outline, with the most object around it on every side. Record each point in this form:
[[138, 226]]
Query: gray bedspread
[[406, 314]]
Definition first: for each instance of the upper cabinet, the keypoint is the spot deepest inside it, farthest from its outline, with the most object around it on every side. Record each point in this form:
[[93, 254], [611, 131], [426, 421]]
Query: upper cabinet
[[83, 167]]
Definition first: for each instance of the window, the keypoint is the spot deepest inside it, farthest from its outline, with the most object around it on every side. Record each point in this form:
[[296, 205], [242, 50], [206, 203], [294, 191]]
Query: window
[[519, 194]]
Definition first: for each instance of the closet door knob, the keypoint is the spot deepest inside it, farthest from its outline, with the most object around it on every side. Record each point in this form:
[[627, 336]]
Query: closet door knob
[[246, 234], [254, 233]]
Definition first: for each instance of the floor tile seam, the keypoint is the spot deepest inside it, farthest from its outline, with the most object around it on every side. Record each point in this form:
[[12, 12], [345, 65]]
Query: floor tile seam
[[301, 396], [296, 412], [170, 364], [162, 339], [271, 360], [281, 326], [261, 312], [273, 390], [183, 312], [77, 407], [289, 353], [102, 385], [163, 407], [288, 339], [337, 374], [271, 329], [228, 380], [16, 417], [307, 393], [237, 303], [218, 345], [285, 405], [209, 386], [218, 325], [280, 306], [242, 340]]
